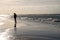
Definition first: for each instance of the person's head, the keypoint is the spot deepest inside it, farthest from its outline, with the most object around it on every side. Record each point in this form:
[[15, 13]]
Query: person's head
[[14, 13]]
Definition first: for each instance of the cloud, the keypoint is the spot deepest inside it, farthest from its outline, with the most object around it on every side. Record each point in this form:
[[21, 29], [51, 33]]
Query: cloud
[[29, 2], [30, 6]]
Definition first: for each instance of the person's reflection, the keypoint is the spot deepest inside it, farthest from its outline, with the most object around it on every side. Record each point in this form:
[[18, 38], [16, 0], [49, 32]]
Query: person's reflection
[[15, 30]]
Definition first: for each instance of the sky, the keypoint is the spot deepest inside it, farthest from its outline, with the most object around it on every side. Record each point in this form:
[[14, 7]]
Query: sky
[[30, 6]]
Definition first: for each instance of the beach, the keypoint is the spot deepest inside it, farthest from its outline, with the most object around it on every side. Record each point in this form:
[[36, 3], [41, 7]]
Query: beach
[[28, 30]]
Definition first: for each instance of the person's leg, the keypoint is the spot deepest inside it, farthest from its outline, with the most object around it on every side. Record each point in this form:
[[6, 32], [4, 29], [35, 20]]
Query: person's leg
[[15, 22], [14, 25]]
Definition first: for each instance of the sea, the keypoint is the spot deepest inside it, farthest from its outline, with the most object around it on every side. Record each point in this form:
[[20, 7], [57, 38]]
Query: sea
[[30, 27]]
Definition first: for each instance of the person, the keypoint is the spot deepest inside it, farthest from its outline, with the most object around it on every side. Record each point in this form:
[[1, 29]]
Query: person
[[15, 19]]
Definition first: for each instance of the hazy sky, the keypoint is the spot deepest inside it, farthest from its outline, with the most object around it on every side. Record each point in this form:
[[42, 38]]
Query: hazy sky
[[30, 6]]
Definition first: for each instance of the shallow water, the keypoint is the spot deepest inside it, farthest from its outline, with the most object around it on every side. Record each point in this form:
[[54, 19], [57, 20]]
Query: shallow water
[[29, 30]]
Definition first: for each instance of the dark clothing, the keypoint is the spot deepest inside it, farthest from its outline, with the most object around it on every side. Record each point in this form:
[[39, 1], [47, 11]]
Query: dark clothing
[[15, 19]]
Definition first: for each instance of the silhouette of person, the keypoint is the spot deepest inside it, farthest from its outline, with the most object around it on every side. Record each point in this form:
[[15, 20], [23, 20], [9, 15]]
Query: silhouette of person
[[15, 19]]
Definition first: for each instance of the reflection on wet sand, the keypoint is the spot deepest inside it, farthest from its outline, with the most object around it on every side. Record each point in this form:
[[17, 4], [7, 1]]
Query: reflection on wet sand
[[15, 30], [6, 35]]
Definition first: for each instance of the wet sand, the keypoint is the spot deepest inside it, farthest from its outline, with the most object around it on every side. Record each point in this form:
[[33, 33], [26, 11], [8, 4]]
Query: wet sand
[[28, 30]]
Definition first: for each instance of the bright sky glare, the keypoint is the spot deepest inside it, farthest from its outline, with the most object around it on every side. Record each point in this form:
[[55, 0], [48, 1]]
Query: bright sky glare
[[30, 6]]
